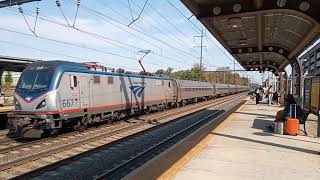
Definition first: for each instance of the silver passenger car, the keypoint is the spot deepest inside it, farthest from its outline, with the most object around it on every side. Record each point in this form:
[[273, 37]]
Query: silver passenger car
[[192, 90]]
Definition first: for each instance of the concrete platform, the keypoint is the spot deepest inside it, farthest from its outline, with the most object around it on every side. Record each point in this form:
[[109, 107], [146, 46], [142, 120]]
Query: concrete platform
[[245, 150], [6, 109], [3, 116]]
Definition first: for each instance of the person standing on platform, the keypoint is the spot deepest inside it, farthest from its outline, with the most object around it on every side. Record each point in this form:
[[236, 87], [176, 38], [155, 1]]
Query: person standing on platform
[[261, 93], [270, 95], [264, 91], [275, 97], [257, 92]]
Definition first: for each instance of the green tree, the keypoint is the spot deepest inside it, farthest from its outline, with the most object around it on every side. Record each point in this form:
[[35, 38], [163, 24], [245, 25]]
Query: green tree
[[169, 71], [159, 72], [225, 76], [8, 79]]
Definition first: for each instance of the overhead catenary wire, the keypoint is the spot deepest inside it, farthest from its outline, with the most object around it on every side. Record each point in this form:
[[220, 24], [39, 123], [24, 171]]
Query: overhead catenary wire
[[46, 51], [119, 28], [198, 29], [121, 15], [100, 14], [103, 38], [80, 46], [173, 58], [25, 19], [106, 39], [66, 43], [37, 14], [86, 47], [140, 38], [109, 19], [134, 20], [58, 4], [169, 22], [222, 51], [94, 35], [76, 15], [174, 38], [195, 27], [55, 53], [130, 10]]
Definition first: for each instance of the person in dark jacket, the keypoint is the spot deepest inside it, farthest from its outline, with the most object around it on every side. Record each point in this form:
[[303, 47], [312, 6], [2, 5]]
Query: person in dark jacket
[[257, 92], [275, 97], [282, 115]]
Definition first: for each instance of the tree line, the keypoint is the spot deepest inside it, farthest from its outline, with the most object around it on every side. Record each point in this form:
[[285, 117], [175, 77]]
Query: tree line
[[222, 75]]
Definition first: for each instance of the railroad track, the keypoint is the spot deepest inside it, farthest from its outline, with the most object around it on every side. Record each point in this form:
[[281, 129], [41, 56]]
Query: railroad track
[[23, 158], [161, 144], [114, 162], [6, 140], [8, 144]]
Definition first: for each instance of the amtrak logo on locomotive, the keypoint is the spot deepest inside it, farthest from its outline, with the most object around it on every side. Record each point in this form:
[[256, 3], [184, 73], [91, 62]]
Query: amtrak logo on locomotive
[[28, 98], [137, 90]]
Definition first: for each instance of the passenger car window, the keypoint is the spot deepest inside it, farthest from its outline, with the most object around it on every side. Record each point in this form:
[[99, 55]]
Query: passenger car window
[[96, 79], [110, 80]]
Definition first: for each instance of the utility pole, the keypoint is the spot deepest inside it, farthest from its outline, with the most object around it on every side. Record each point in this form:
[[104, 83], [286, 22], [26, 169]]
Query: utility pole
[[268, 80], [201, 51], [318, 133], [234, 71], [262, 74], [201, 46]]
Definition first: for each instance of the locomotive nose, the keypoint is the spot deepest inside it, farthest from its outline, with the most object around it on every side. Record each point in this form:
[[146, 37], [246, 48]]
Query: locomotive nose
[[24, 103]]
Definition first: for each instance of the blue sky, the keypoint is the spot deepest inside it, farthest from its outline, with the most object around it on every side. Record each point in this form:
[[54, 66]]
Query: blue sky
[[103, 35]]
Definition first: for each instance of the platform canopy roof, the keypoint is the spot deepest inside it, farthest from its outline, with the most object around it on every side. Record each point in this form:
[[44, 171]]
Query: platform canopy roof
[[7, 3], [260, 34], [8, 63]]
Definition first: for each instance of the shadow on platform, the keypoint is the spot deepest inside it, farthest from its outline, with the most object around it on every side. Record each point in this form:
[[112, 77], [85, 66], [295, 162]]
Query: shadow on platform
[[264, 103], [261, 123], [268, 143], [281, 136], [256, 114]]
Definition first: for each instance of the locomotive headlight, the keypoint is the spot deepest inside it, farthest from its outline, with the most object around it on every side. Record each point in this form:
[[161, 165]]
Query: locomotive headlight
[[41, 104], [17, 104]]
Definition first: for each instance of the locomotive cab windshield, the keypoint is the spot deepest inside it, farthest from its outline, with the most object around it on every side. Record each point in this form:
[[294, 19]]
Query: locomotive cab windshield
[[35, 78]]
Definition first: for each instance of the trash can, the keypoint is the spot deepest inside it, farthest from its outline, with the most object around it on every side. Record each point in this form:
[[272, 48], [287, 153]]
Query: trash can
[[279, 128]]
